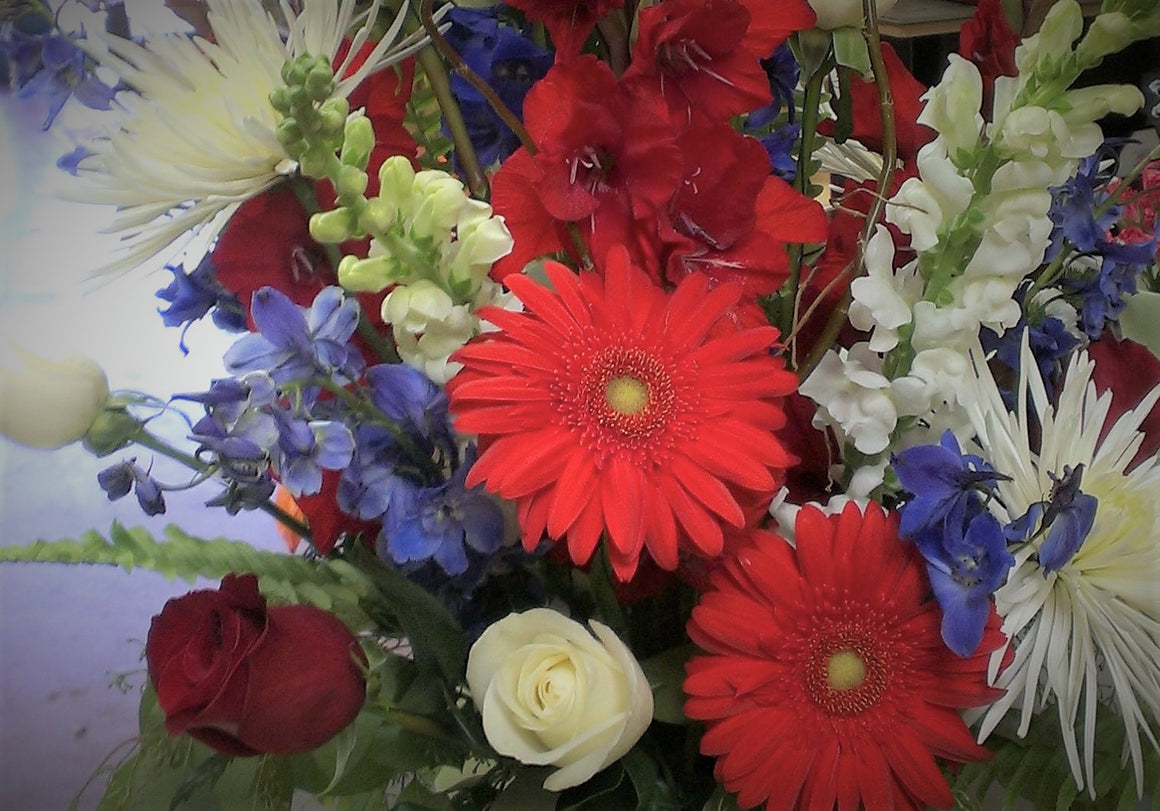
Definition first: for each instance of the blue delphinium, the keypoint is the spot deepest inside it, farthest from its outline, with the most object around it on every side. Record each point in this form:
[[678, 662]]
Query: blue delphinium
[[194, 295], [117, 480], [441, 522], [940, 479], [773, 124], [305, 448], [41, 62], [1102, 291], [964, 546], [1048, 338], [1102, 270], [415, 404], [296, 344], [502, 55], [1064, 520], [966, 566]]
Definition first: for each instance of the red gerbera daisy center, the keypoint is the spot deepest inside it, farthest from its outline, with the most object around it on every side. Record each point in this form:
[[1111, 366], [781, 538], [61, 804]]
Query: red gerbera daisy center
[[622, 399], [845, 672]]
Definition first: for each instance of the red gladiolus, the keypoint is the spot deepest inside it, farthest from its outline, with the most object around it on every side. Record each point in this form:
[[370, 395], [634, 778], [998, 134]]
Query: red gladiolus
[[695, 54], [988, 40], [606, 161], [1129, 370], [569, 22], [245, 678], [825, 681], [731, 219]]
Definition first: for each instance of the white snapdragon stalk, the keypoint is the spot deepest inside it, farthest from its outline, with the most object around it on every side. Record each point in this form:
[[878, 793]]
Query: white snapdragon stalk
[[952, 107], [925, 205], [434, 246], [854, 397], [883, 298], [429, 326], [196, 137]]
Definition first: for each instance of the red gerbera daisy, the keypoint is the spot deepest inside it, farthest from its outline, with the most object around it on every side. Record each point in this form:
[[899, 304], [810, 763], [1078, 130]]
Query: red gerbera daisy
[[827, 682], [611, 405]]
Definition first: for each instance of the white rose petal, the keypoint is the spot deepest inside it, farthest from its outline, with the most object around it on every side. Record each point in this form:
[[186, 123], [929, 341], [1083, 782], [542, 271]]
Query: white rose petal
[[552, 694]]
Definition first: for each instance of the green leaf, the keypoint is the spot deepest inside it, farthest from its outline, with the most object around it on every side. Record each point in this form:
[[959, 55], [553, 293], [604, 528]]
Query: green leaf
[[850, 50], [607, 789], [526, 791], [666, 675], [203, 778], [437, 641], [721, 800], [1140, 319]]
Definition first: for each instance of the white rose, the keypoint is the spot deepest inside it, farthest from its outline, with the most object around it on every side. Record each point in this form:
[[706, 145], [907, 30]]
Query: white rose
[[840, 13], [46, 403], [552, 694]]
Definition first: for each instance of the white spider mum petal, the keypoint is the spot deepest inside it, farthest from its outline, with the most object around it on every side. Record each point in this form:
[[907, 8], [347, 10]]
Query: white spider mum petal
[[1088, 633], [194, 137]]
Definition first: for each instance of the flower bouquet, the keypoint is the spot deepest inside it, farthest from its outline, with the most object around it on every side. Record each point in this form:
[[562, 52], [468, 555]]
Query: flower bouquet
[[666, 405]]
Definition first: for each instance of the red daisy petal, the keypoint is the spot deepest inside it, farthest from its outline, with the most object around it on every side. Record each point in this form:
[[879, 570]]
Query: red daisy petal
[[831, 631], [615, 407]]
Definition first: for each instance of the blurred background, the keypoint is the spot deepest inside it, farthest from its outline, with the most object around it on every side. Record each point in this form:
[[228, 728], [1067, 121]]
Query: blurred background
[[67, 633]]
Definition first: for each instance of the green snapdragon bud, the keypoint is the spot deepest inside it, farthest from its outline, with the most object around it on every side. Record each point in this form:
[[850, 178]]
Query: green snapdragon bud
[[350, 184], [365, 275], [113, 429], [319, 84], [332, 115], [1107, 34], [358, 141], [378, 215], [332, 227], [288, 131]]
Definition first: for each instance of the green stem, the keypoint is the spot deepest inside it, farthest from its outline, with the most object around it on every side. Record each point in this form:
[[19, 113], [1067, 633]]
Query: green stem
[[155, 443], [885, 179]]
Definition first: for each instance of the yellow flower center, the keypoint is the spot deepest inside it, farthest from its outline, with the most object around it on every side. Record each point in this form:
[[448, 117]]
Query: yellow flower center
[[845, 670], [626, 395]]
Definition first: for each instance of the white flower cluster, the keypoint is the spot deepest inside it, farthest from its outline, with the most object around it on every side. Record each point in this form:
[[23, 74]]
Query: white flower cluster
[[977, 217], [436, 246]]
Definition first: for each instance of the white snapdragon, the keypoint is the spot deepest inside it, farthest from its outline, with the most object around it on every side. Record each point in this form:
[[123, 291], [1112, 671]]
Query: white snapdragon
[[924, 204], [952, 106], [428, 326], [883, 298], [854, 396]]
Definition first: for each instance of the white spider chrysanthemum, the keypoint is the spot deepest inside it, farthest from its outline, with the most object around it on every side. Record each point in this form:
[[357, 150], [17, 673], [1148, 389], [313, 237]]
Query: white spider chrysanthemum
[[196, 137], [1089, 632]]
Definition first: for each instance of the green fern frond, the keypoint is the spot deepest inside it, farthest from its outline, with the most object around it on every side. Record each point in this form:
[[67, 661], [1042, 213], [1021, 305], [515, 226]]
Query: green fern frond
[[334, 586]]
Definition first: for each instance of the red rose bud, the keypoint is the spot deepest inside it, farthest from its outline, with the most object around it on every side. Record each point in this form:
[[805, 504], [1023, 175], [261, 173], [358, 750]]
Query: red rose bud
[[245, 678]]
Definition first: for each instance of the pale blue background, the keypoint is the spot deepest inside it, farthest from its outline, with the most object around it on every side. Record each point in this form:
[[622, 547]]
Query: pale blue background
[[66, 631]]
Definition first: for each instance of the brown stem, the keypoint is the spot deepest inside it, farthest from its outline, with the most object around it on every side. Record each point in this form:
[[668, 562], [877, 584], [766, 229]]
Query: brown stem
[[473, 78]]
